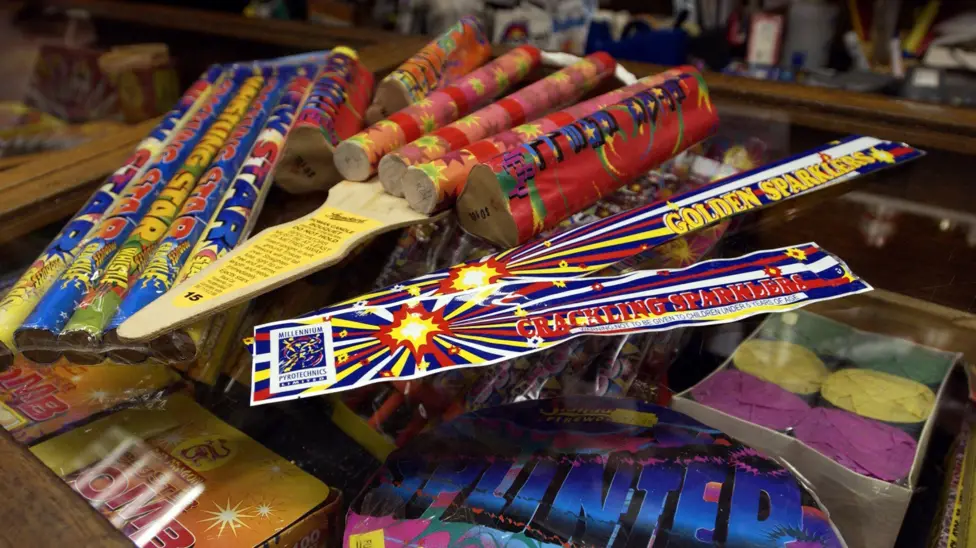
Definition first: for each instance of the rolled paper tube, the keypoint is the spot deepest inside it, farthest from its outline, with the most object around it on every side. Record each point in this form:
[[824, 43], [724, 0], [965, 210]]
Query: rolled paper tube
[[824, 336], [518, 194], [865, 446], [334, 111], [748, 398], [435, 186], [37, 335], [458, 51], [170, 254], [878, 395], [84, 330], [237, 211], [788, 365], [550, 93], [28, 290], [357, 157], [901, 358]]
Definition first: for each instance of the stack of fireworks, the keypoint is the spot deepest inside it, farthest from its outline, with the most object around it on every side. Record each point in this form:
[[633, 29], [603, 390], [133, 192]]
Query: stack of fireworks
[[188, 194]]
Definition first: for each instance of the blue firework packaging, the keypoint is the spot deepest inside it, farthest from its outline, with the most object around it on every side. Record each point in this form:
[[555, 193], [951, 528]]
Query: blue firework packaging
[[507, 320], [173, 249], [584, 472]]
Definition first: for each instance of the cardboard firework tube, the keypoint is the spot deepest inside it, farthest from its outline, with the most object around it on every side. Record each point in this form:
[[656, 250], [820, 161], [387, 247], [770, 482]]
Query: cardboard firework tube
[[334, 111], [550, 93], [358, 157], [435, 186], [236, 214], [458, 51], [28, 290], [520, 193], [170, 254], [37, 336], [82, 334]]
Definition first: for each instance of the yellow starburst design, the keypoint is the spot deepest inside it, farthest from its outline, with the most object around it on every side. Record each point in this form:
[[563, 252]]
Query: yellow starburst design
[[431, 145], [343, 334], [425, 103], [559, 77], [341, 357], [529, 131], [882, 156], [434, 170], [415, 330], [477, 85], [362, 140], [679, 252], [559, 283], [563, 264], [423, 365], [414, 291], [796, 253], [671, 205], [501, 78], [519, 312], [474, 276], [547, 243], [429, 123], [470, 121], [227, 517], [383, 124]]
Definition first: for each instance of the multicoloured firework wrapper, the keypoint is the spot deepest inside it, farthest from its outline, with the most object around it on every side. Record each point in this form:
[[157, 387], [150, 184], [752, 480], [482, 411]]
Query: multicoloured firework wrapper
[[191, 480], [174, 248], [585, 471], [365, 344], [358, 157], [434, 186], [22, 297], [458, 51], [334, 111], [36, 337], [550, 93], [520, 193], [238, 209], [82, 334]]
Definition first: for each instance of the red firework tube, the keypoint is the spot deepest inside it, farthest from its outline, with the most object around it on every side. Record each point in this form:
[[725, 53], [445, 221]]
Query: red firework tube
[[458, 51], [358, 157], [435, 186], [553, 92], [333, 112], [520, 193]]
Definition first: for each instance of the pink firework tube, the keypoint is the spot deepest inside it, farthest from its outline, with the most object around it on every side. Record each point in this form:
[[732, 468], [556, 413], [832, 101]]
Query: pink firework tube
[[333, 112], [516, 195], [461, 49], [357, 157], [28, 290], [435, 186], [551, 93]]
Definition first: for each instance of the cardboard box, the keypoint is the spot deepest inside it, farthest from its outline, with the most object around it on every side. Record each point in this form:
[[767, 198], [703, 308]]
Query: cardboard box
[[867, 511], [177, 476], [36, 401]]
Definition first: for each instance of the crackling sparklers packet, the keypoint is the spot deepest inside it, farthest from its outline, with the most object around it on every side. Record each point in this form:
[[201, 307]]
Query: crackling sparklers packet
[[500, 322]]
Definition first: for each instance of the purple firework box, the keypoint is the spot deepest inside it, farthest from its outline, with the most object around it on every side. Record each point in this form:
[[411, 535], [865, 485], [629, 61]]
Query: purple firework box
[[801, 411]]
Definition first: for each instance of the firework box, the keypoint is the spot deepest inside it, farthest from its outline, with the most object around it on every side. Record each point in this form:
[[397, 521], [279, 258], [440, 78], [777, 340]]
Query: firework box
[[868, 510], [177, 476], [38, 401]]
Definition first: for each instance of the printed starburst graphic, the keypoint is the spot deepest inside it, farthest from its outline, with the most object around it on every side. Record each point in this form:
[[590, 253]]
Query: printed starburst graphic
[[227, 516]]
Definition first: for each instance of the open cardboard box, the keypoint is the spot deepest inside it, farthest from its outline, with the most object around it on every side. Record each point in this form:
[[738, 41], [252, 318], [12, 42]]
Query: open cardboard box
[[867, 511]]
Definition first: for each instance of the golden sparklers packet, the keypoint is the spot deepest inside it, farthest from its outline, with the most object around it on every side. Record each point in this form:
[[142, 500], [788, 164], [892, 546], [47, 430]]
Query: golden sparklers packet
[[38, 401], [177, 476]]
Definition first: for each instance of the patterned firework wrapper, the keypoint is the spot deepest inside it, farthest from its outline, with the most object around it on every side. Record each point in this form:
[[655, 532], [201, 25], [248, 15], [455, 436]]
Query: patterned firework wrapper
[[100, 304], [434, 186], [518, 194], [28, 290], [334, 111], [168, 257], [357, 157], [36, 336], [458, 51], [239, 206], [550, 93]]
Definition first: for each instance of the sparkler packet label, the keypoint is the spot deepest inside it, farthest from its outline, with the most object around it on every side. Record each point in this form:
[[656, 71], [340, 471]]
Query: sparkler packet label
[[518, 317]]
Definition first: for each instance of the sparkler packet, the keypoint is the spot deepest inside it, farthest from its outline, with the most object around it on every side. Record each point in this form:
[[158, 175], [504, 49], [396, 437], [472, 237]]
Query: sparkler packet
[[362, 344], [584, 471]]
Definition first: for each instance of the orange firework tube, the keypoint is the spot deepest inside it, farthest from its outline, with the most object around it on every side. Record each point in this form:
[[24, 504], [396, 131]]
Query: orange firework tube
[[357, 157], [334, 111], [551, 93], [455, 53], [518, 194], [435, 186]]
